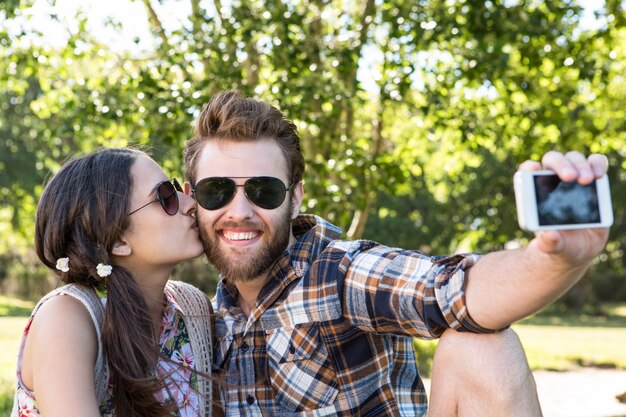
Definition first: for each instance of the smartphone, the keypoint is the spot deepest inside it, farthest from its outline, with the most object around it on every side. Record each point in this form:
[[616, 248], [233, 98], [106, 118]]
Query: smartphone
[[544, 202]]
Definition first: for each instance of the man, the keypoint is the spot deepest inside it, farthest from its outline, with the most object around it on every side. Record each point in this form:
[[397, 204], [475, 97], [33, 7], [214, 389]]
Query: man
[[312, 325]]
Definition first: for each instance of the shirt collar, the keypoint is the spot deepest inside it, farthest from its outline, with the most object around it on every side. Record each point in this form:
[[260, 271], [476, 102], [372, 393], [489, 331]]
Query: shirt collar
[[313, 234]]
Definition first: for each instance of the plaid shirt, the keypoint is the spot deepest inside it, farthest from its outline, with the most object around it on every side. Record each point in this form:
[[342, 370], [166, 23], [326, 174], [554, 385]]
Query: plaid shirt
[[331, 332]]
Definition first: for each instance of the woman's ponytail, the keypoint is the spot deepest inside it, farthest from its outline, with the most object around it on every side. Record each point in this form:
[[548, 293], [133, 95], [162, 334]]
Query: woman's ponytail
[[129, 341]]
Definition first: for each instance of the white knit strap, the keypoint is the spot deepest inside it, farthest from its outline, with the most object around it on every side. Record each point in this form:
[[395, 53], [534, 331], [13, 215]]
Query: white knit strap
[[197, 317]]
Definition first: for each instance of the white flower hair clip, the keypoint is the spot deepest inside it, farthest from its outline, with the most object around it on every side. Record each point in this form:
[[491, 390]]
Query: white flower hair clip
[[63, 264], [104, 270]]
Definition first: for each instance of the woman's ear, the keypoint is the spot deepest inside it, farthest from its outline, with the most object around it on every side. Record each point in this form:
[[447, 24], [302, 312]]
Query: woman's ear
[[121, 248]]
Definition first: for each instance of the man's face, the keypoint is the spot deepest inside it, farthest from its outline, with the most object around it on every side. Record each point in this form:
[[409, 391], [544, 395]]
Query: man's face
[[241, 239]]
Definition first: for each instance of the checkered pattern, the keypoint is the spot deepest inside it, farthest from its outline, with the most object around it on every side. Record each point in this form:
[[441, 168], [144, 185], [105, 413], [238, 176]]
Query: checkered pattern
[[331, 333]]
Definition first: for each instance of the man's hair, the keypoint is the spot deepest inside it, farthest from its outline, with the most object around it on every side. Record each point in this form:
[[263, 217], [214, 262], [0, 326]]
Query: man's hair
[[230, 116]]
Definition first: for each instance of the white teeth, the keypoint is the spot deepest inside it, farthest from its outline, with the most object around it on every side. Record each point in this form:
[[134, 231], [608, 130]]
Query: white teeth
[[240, 236]]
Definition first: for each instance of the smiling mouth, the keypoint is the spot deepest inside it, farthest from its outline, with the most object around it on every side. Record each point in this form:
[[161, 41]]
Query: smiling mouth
[[240, 236]]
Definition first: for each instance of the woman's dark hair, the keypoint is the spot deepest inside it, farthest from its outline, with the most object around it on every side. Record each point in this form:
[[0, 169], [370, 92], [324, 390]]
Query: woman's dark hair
[[81, 214]]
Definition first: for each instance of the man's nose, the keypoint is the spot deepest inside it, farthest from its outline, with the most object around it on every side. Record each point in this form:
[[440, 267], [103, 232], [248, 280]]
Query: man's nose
[[239, 207]]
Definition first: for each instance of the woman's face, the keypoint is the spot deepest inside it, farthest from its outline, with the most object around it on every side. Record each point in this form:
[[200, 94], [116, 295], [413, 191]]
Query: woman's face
[[158, 240]]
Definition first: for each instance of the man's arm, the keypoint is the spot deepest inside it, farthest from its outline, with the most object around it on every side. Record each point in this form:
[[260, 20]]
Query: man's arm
[[506, 286]]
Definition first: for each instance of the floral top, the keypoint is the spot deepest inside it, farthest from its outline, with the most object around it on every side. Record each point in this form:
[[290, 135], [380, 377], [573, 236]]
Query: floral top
[[181, 382]]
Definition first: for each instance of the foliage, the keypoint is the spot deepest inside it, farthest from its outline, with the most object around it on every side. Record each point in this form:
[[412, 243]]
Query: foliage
[[424, 355], [199, 273], [413, 115]]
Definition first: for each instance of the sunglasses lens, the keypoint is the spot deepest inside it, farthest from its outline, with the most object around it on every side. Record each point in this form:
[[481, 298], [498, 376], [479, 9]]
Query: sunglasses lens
[[215, 192], [168, 197], [266, 192]]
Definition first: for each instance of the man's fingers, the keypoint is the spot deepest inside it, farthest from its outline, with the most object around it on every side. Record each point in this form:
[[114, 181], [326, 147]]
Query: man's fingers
[[599, 164], [582, 165], [557, 162], [529, 165], [573, 166]]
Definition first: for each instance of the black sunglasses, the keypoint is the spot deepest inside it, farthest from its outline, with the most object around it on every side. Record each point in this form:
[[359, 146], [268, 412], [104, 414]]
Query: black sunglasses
[[213, 193], [167, 196]]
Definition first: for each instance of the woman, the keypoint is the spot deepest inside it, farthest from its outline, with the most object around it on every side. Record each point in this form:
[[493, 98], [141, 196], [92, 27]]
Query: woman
[[123, 340]]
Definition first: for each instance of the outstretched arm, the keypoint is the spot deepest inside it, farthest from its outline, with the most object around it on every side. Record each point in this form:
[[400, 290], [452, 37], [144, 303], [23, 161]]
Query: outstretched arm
[[506, 286]]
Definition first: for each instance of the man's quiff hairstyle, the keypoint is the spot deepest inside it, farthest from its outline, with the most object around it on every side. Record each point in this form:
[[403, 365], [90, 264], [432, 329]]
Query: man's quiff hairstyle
[[230, 116]]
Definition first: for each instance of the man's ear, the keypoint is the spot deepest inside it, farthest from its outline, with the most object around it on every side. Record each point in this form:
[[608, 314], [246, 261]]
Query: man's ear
[[121, 248], [187, 188], [296, 199]]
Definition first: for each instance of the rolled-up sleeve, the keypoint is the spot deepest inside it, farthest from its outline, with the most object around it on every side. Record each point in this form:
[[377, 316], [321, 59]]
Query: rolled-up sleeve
[[397, 291]]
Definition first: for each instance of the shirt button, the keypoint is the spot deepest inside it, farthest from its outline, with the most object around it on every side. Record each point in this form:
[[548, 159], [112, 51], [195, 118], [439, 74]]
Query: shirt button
[[250, 400], [244, 348], [292, 349]]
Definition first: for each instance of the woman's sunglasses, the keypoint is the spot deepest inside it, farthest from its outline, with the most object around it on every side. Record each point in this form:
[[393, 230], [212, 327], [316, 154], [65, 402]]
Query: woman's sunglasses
[[213, 193], [167, 196]]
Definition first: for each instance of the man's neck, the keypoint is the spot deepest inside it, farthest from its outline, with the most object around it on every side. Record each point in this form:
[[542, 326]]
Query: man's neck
[[249, 290]]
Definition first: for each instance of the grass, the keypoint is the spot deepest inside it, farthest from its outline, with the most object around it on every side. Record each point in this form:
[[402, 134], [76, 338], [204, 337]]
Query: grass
[[10, 336], [6, 399], [559, 341], [565, 348], [13, 307], [13, 316], [611, 315]]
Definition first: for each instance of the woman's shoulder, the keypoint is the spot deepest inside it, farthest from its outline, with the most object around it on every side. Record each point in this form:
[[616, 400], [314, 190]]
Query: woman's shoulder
[[59, 326], [62, 313], [66, 313]]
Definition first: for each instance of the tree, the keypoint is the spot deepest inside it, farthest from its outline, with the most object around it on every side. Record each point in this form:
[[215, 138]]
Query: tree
[[413, 115]]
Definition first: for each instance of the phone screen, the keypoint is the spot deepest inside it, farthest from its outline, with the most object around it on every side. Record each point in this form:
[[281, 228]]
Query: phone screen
[[560, 202]]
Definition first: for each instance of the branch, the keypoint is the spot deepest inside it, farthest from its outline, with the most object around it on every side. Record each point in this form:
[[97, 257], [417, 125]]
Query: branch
[[359, 219], [218, 10], [196, 18], [366, 20], [156, 22]]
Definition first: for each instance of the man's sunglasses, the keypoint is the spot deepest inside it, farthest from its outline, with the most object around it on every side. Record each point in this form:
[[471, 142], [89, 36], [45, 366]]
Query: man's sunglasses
[[213, 193], [167, 196]]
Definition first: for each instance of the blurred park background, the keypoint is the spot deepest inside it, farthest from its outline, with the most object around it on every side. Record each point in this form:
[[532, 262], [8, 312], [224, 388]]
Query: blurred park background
[[414, 115]]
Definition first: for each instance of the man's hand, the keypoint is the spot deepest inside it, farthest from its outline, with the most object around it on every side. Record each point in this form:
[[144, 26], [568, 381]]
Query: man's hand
[[575, 247]]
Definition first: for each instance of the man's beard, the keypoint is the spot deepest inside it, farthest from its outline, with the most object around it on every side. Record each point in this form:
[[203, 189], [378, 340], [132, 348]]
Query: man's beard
[[246, 270]]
